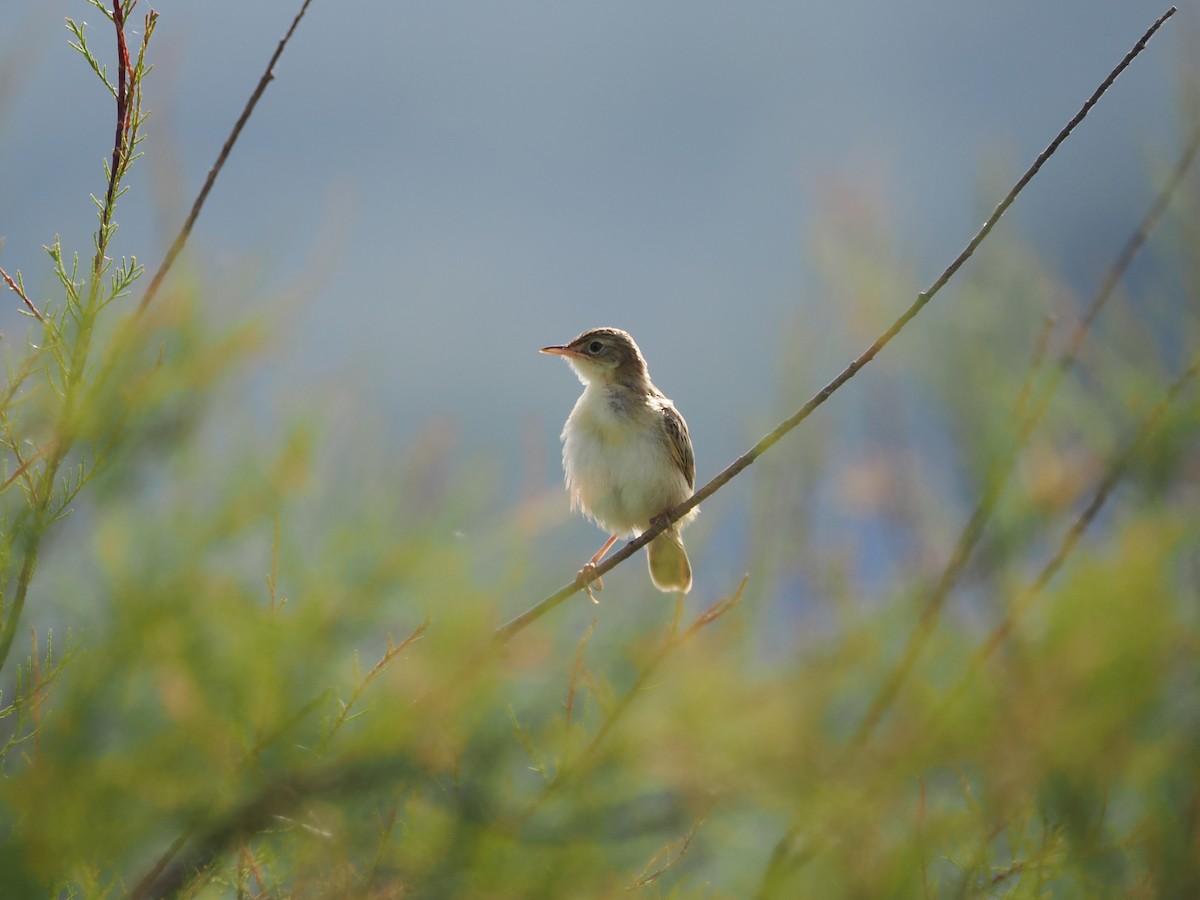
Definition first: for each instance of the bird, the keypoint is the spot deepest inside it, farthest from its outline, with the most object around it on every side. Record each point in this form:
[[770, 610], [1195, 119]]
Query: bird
[[627, 455]]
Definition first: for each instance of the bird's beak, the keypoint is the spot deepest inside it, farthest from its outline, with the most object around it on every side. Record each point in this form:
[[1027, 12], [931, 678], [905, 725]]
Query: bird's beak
[[560, 351]]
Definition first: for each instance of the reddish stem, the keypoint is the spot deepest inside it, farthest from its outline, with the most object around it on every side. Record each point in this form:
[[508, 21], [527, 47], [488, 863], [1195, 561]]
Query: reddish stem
[[124, 74]]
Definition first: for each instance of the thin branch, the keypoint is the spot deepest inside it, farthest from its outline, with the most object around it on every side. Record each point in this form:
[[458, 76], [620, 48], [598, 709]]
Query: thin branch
[[1026, 597], [167, 878], [577, 670], [23, 467], [172, 870], [20, 293], [675, 638], [671, 854], [39, 509], [969, 537], [165, 867], [186, 231], [273, 575], [9, 632], [124, 71], [1114, 474], [782, 856], [743, 462], [1040, 346], [393, 650]]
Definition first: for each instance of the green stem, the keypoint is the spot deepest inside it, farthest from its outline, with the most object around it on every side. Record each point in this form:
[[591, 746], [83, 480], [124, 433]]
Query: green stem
[[10, 624], [64, 432]]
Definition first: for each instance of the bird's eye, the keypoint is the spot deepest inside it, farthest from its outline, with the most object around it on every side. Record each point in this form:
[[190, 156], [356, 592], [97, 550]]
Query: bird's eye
[[595, 347]]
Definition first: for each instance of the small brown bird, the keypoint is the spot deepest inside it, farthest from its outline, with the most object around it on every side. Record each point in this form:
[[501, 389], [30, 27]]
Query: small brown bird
[[626, 452]]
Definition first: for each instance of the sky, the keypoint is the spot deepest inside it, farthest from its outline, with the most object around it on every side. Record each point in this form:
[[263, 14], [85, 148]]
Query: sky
[[447, 187]]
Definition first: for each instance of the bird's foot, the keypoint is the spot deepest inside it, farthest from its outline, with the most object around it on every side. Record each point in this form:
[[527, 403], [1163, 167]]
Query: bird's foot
[[660, 520], [587, 578]]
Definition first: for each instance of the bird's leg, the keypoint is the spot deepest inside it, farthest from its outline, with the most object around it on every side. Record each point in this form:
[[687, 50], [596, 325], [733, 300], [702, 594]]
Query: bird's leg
[[599, 555], [587, 574], [660, 519]]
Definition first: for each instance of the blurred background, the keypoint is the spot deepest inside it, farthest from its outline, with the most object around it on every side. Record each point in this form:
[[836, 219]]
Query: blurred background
[[352, 416], [447, 188]]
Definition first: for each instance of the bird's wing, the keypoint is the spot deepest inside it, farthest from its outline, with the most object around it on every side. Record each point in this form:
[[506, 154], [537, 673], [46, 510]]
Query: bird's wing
[[680, 442]]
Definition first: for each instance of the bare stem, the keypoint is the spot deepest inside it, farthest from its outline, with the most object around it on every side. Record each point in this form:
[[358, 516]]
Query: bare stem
[[39, 510], [124, 71], [576, 766], [185, 232], [743, 462], [1116, 470], [1115, 473], [783, 855], [969, 537], [20, 293]]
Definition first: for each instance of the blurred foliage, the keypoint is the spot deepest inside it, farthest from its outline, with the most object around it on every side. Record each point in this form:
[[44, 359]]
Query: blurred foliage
[[273, 671]]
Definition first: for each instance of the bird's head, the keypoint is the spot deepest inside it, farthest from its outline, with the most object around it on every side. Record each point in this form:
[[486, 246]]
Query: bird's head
[[605, 355]]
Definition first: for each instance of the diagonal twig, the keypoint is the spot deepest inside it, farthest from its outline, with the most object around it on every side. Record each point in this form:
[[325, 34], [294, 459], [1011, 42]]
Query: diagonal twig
[[969, 537], [1115, 473], [746, 459], [39, 509], [20, 293], [574, 767], [783, 855], [186, 231], [124, 72]]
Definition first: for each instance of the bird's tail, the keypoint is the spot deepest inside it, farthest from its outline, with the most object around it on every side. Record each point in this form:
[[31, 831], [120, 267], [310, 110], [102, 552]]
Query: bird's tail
[[670, 569]]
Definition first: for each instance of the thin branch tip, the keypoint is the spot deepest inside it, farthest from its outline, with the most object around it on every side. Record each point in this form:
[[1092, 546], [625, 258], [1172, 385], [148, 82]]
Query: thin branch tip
[[189, 223], [16, 288], [856, 365]]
